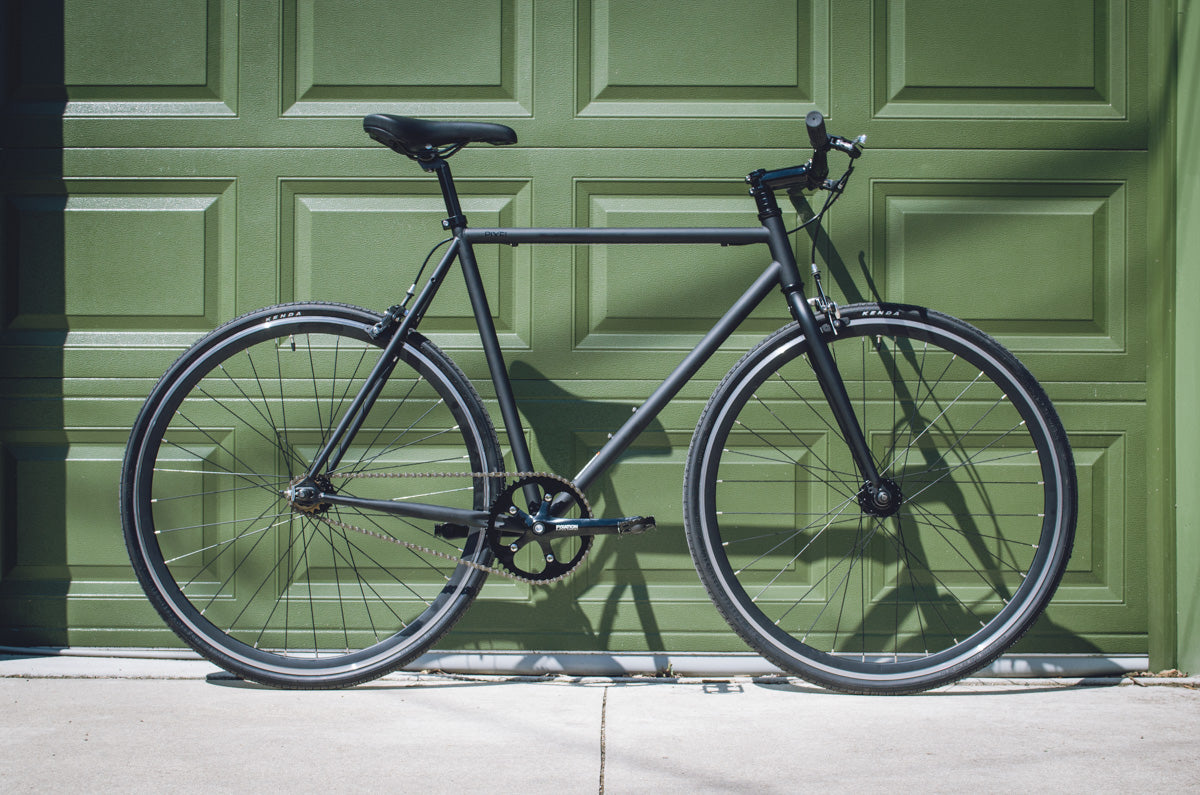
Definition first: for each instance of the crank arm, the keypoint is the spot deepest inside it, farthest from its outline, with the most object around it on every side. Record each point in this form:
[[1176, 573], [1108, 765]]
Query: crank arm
[[411, 510], [563, 528], [625, 525]]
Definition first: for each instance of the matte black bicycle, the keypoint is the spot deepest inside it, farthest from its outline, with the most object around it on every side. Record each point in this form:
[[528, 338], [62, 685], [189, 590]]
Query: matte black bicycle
[[879, 498]]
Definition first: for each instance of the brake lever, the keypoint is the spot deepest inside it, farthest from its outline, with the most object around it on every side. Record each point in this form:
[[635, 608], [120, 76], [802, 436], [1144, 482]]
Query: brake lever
[[852, 148]]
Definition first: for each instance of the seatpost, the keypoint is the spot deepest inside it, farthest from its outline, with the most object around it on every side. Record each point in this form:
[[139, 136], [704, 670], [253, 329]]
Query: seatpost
[[455, 219]]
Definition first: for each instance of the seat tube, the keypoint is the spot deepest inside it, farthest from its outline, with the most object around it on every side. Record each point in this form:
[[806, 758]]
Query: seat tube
[[495, 359], [457, 222], [823, 363]]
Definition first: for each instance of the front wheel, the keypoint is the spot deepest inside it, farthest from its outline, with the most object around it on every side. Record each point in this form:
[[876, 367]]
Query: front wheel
[[285, 592], [820, 580]]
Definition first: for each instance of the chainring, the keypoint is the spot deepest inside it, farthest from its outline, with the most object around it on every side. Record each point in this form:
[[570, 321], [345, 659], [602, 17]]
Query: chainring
[[513, 524]]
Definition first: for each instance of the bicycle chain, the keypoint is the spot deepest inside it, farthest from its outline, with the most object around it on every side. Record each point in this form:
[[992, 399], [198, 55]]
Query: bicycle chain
[[446, 556]]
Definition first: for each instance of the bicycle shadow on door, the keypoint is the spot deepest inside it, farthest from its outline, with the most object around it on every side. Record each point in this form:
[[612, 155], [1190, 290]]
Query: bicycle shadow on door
[[928, 603], [556, 420], [561, 619]]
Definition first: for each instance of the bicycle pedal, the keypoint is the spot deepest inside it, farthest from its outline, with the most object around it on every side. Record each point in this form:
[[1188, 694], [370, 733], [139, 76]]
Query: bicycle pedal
[[454, 532], [635, 525]]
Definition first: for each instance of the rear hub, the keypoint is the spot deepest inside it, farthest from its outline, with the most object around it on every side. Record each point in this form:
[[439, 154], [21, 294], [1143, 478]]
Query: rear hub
[[302, 494]]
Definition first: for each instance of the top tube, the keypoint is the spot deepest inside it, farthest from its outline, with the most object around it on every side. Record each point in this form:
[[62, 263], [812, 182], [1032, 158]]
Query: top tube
[[724, 236]]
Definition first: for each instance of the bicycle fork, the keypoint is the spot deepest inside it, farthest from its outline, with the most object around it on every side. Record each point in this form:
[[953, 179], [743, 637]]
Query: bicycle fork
[[879, 496]]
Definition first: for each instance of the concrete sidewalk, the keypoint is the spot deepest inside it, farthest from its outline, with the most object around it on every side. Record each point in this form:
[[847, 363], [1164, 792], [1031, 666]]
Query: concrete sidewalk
[[78, 724]]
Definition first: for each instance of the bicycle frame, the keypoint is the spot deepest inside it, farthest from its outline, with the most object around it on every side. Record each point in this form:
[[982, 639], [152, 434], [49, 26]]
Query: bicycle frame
[[782, 271]]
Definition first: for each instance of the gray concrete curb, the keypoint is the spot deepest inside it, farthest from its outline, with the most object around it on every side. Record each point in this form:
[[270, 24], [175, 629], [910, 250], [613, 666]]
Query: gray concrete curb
[[94, 666]]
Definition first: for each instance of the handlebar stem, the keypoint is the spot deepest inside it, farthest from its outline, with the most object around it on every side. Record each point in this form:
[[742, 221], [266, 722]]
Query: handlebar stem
[[764, 194]]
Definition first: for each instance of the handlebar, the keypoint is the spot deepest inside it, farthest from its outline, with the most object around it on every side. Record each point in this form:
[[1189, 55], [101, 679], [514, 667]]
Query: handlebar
[[818, 167], [812, 174], [815, 123]]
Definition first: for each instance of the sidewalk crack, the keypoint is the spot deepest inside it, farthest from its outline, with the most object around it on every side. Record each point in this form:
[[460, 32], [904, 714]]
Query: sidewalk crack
[[603, 741]]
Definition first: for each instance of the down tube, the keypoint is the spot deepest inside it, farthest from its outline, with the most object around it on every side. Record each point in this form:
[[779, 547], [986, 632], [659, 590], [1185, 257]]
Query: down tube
[[645, 414]]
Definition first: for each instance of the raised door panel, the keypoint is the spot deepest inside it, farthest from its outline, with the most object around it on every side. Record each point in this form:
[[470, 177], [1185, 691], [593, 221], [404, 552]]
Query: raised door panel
[[450, 57]]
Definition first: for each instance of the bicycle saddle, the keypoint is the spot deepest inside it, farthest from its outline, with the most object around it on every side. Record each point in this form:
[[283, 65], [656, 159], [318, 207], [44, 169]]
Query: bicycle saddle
[[415, 137]]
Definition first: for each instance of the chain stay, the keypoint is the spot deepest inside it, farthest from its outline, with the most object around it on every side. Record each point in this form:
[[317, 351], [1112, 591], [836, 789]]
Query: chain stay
[[501, 572]]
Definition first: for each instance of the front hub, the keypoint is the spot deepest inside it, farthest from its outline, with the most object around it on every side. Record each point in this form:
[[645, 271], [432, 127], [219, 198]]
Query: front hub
[[882, 500]]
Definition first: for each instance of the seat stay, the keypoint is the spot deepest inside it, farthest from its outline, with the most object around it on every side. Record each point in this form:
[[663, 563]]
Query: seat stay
[[356, 414]]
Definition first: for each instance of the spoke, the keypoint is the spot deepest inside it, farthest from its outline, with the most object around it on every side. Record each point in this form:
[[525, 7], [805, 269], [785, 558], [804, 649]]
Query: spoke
[[336, 411], [232, 571], [350, 548], [279, 379], [391, 537], [410, 464], [851, 553], [363, 461], [930, 388], [217, 557], [912, 585], [970, 461], [836, 430], [229, 540], [898, 542], [973, 460], [209, 493], [939, 526], [837, 627], [899, 387], [360, 466], [312, 610], [388, 569], [795, 557], [814, 471], [285, 588], [794, 435], [962, 436], [277, 441], [400, 403], [222, 447], [158, 532], [266, 402], [312, 367], [361, 589], [224, 471], [935, 419], [337, 579], [410, 497]]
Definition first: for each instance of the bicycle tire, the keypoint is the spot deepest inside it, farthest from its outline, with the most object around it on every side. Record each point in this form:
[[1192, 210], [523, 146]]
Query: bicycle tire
[[864, 603], [281, 595]]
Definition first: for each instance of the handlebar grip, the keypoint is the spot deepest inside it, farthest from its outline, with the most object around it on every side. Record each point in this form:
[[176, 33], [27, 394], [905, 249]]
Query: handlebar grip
[[816, 130]]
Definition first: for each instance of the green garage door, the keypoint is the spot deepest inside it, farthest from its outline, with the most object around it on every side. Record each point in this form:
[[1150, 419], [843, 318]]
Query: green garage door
[[171, 164]]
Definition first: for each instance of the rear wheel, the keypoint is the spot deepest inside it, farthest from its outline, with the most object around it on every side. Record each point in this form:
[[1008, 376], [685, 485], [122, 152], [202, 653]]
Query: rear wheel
[[830, 585], [280, 591]]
